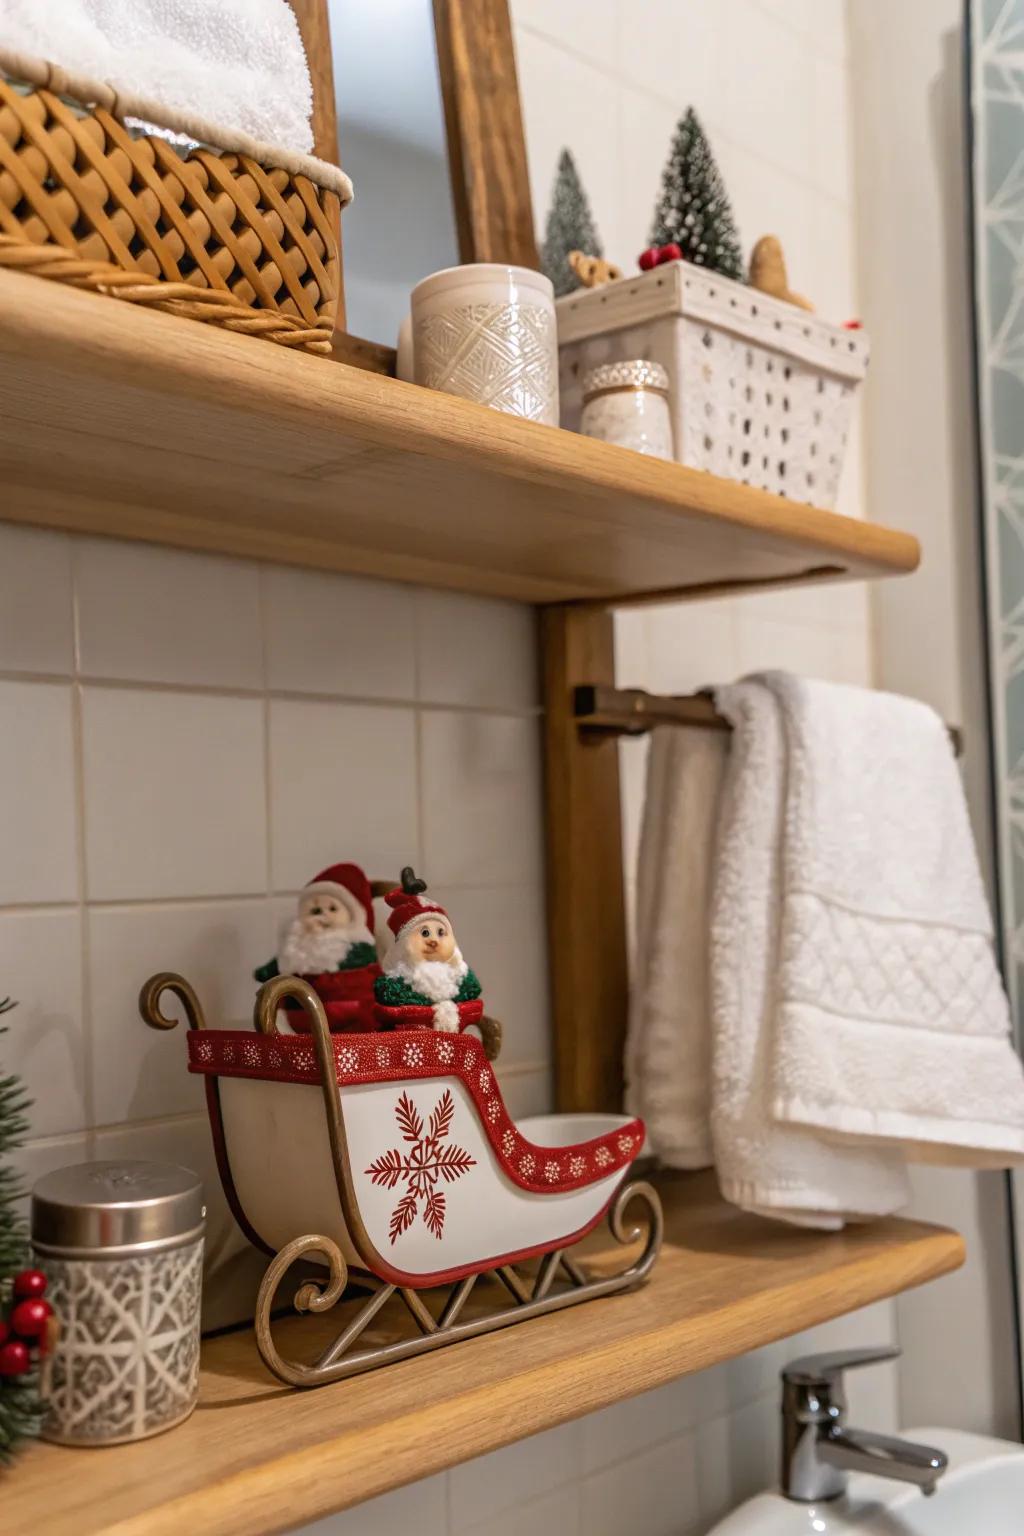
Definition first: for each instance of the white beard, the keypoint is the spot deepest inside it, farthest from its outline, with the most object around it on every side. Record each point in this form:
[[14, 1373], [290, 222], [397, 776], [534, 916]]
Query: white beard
[[437, 979], [306, 952]]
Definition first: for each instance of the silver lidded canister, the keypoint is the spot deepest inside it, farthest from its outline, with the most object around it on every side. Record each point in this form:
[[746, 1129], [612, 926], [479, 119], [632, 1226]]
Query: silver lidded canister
[[122, 1247]]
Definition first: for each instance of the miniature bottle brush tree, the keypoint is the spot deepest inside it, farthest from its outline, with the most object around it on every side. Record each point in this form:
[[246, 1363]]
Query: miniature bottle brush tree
[[693, 211], [570, 227], [24, 1314]]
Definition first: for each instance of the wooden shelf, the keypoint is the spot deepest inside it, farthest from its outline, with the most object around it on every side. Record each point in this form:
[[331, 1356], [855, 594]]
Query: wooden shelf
[[119, 421], [258, 1458]]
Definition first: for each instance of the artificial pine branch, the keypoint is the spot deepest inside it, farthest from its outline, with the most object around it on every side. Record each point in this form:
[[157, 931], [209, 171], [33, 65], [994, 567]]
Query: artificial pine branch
[[20, 1408], [570, 227], [693, 209]]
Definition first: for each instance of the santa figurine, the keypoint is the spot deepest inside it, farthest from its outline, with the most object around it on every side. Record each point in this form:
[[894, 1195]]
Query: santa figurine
[[330, 944], [425, 982]]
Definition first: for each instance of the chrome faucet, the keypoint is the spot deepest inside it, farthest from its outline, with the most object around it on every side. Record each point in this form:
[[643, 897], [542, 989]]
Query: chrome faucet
[[819, 1451]]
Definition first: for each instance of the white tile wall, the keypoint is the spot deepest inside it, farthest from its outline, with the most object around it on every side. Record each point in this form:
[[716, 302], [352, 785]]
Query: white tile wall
[[37, 793], [169, 784], [36, 629], [164, 616], [667, 1463]]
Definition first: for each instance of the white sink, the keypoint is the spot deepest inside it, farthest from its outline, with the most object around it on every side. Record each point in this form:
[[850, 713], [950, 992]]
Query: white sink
[[981, 1494]]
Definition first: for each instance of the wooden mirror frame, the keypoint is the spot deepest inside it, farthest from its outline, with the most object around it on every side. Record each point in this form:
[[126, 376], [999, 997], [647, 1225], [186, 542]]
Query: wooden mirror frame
[[484, 127]]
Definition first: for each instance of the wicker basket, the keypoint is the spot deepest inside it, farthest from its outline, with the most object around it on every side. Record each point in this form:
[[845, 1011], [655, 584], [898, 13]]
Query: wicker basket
[[759, 390], [210, 235]]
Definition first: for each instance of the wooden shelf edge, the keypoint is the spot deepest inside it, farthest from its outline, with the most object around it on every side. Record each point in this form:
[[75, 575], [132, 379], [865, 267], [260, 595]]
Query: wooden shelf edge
[[198, 376], [260, 1458]]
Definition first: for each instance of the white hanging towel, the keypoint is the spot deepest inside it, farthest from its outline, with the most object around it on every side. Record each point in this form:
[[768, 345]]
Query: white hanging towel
[[236, 63], [668, 1048], [775, 1169], [884, 1029]]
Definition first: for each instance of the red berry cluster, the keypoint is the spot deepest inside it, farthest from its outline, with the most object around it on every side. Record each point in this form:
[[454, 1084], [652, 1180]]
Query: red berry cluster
[[657, 255], [25, 1328]]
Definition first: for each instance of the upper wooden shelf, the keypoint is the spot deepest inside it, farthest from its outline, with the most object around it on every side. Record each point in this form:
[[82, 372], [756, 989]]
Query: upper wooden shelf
[[119, 421], [258, 1458]]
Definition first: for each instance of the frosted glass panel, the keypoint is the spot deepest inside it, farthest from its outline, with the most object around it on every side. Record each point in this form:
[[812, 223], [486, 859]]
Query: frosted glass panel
[[997, 104]]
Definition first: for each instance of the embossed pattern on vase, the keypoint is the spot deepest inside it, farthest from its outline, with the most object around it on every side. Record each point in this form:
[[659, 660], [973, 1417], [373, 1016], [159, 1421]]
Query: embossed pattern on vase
[[501, 355], [127, 1364]]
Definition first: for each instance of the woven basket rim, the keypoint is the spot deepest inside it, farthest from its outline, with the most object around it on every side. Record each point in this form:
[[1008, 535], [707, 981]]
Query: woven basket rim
[[25, 69]]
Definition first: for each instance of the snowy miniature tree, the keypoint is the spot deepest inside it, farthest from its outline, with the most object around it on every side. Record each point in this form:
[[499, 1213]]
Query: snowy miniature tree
[[693, 209], [20, 1409], [570, 227]]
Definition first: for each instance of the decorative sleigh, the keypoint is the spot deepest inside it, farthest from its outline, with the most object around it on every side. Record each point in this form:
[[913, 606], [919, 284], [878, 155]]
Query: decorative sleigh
[[392, 1156]]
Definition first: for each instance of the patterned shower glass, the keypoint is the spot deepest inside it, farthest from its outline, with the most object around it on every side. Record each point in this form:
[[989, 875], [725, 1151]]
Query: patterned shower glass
[[487, 332], [122, 1248]]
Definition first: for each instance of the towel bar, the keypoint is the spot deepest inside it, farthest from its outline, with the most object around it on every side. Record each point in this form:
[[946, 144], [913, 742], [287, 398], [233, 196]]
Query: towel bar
[[603, 711]]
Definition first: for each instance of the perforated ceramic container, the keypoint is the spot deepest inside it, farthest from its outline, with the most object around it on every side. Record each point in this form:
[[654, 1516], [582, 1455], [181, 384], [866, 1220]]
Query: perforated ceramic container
[[759, 391]]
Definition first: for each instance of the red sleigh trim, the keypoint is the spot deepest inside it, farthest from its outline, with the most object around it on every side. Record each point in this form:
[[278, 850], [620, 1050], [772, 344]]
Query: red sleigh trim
[[409, 1055]]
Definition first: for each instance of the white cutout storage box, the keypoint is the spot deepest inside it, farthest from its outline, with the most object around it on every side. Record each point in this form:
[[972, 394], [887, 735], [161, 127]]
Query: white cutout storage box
[[759, 390]]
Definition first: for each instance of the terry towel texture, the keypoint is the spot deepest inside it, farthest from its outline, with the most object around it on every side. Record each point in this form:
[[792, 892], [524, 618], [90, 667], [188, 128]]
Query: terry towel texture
[[848, 1015], [857, 1013], [668, 1049], [238, 63]]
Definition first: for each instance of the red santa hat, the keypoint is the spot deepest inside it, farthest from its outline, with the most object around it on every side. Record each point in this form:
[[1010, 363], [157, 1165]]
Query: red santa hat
[[407, 910], [349, 885]]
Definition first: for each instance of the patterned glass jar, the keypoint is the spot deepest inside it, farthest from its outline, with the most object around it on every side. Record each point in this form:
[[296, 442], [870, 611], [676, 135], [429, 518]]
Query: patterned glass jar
[[122, 1248], [487, 332], [627, 403]]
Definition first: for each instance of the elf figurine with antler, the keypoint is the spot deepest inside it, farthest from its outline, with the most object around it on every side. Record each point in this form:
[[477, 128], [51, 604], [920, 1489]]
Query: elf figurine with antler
[[330, 944], [425, 982]]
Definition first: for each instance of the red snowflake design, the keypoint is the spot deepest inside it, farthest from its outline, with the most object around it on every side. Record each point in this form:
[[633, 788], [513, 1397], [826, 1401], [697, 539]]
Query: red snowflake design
[[424, 1162]]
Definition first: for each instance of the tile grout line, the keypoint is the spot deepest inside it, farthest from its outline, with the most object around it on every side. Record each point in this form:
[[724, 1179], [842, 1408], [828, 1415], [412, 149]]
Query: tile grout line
[[283, 695], [216, 898], [81, 865], [268, 833]]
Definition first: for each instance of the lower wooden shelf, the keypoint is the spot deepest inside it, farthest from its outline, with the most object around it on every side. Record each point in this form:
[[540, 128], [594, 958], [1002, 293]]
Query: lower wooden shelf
[[258, 1458]]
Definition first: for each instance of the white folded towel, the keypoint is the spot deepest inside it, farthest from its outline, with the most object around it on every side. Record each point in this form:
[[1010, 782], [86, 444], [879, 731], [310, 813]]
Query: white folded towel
[[236, 63], [892, 1024], [668, 1048], [858, 1017], [786, 1171]]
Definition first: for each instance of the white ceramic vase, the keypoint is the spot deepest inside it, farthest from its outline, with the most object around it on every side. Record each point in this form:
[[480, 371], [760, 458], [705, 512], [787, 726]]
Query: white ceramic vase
[[487, 332]]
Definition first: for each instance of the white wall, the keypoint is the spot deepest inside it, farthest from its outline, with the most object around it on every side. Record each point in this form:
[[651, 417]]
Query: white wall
[[907, 82], [188, 741]]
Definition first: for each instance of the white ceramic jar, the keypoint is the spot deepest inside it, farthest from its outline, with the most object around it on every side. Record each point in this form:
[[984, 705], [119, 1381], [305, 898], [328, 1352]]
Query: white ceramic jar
[[487, 332], [627, 403], [121, 1245]]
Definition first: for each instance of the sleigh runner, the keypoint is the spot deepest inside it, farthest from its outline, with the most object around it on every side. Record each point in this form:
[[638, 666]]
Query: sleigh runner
[[392, 1155]]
